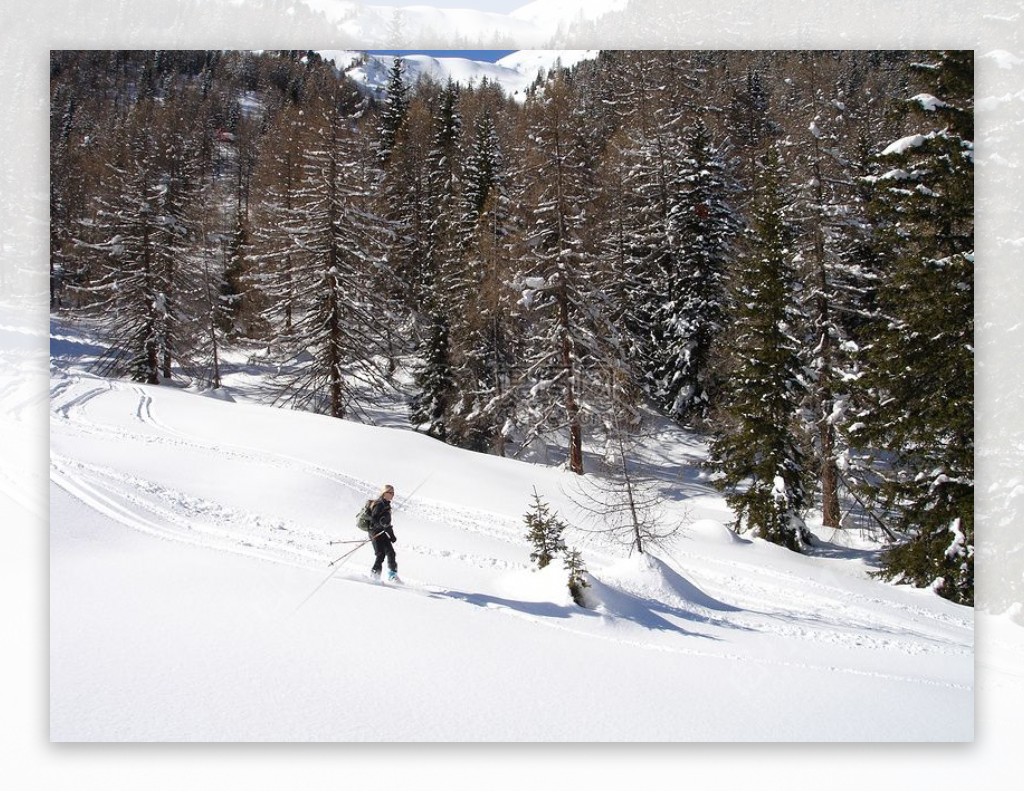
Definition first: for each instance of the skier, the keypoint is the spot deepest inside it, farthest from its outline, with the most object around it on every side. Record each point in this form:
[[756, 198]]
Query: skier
[[383, 534]]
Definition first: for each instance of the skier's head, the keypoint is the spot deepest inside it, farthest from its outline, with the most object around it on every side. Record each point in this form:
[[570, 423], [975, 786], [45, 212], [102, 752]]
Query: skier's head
[[388, 492]]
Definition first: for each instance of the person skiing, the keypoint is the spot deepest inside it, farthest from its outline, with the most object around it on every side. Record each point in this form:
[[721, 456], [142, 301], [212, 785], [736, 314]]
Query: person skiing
[[383, 534]]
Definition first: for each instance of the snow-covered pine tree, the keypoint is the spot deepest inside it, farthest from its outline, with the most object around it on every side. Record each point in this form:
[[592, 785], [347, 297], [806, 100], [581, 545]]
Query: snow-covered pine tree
[[430, 406], [137, 239], [545, 532], [551, 292], [69, 179], [245, 128], [395, 111], [273, 256], [212, 313], [485, 337], [831, 223], [572, 346], [920, 379], [577, 570], [702, 226], [640, 243], [482, 173], [443, 291], [335, 261], [664, 225], [749, 119], [755, 451], [405, 198]]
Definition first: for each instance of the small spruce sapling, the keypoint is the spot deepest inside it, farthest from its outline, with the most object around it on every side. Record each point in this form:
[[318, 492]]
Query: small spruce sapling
[[545, 532], [577, 576]]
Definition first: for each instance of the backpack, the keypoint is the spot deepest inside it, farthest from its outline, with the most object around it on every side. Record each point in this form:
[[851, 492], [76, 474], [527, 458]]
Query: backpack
[[363, 521]]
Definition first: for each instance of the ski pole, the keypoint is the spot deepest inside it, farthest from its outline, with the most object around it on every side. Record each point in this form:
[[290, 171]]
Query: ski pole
[[350, 552], [331, 573], [405, 498]]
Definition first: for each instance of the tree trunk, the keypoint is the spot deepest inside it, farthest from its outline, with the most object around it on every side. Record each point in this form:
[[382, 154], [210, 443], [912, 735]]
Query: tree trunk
[[830, 514], [572, 409]]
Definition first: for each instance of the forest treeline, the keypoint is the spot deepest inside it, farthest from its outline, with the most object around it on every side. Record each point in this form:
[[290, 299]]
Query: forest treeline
[[772, 248]]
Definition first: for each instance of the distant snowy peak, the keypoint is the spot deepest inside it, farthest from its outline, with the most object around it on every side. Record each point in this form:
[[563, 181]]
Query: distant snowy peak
[[535, 24], [514, 73], [533, 62]]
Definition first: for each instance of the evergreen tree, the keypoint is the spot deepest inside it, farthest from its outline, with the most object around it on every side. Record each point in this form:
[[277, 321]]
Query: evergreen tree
[[645, 243], [430, 405], [545, 532], [484, 166], [405, 198], [212, 312], [327, 351], [749, 119], [273, 253], [577, 570], [485, 345], [442, 287], [692, 317], [573, 348], [755, 450], [395, 111], [137, 238], [826, 210], [919, 381]]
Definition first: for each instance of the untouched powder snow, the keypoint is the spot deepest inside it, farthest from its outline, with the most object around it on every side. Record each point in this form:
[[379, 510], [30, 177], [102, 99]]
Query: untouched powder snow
[[192, 596]]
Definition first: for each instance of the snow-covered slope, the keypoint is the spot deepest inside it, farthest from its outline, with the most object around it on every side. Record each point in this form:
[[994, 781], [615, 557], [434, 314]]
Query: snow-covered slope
[[192, 595], [514, 72]]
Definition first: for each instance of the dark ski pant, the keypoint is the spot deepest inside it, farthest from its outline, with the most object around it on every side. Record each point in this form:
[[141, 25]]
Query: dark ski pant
[[383, 548]]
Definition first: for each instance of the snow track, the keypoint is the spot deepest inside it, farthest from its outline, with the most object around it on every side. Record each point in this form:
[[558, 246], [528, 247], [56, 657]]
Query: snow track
[[150, 506], [159, 511], [70, 402], [139, 456]]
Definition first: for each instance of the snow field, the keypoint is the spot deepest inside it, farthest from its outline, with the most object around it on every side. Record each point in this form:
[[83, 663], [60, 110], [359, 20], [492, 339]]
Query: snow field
[[192, 597]]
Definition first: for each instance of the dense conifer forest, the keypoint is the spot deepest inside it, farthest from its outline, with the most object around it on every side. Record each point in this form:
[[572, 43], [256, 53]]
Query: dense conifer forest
[[774, 249]]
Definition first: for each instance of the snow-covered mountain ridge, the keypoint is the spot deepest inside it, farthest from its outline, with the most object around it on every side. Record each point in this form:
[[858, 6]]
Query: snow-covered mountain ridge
[[514, 72]]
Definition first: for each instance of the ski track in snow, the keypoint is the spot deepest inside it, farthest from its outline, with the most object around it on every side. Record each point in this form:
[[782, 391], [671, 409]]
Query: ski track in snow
[[189, 517], [161, 511], [684, 649], [859, 611]]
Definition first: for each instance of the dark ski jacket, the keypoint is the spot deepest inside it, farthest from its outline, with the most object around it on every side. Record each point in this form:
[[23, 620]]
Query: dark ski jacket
[[380, 519]]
